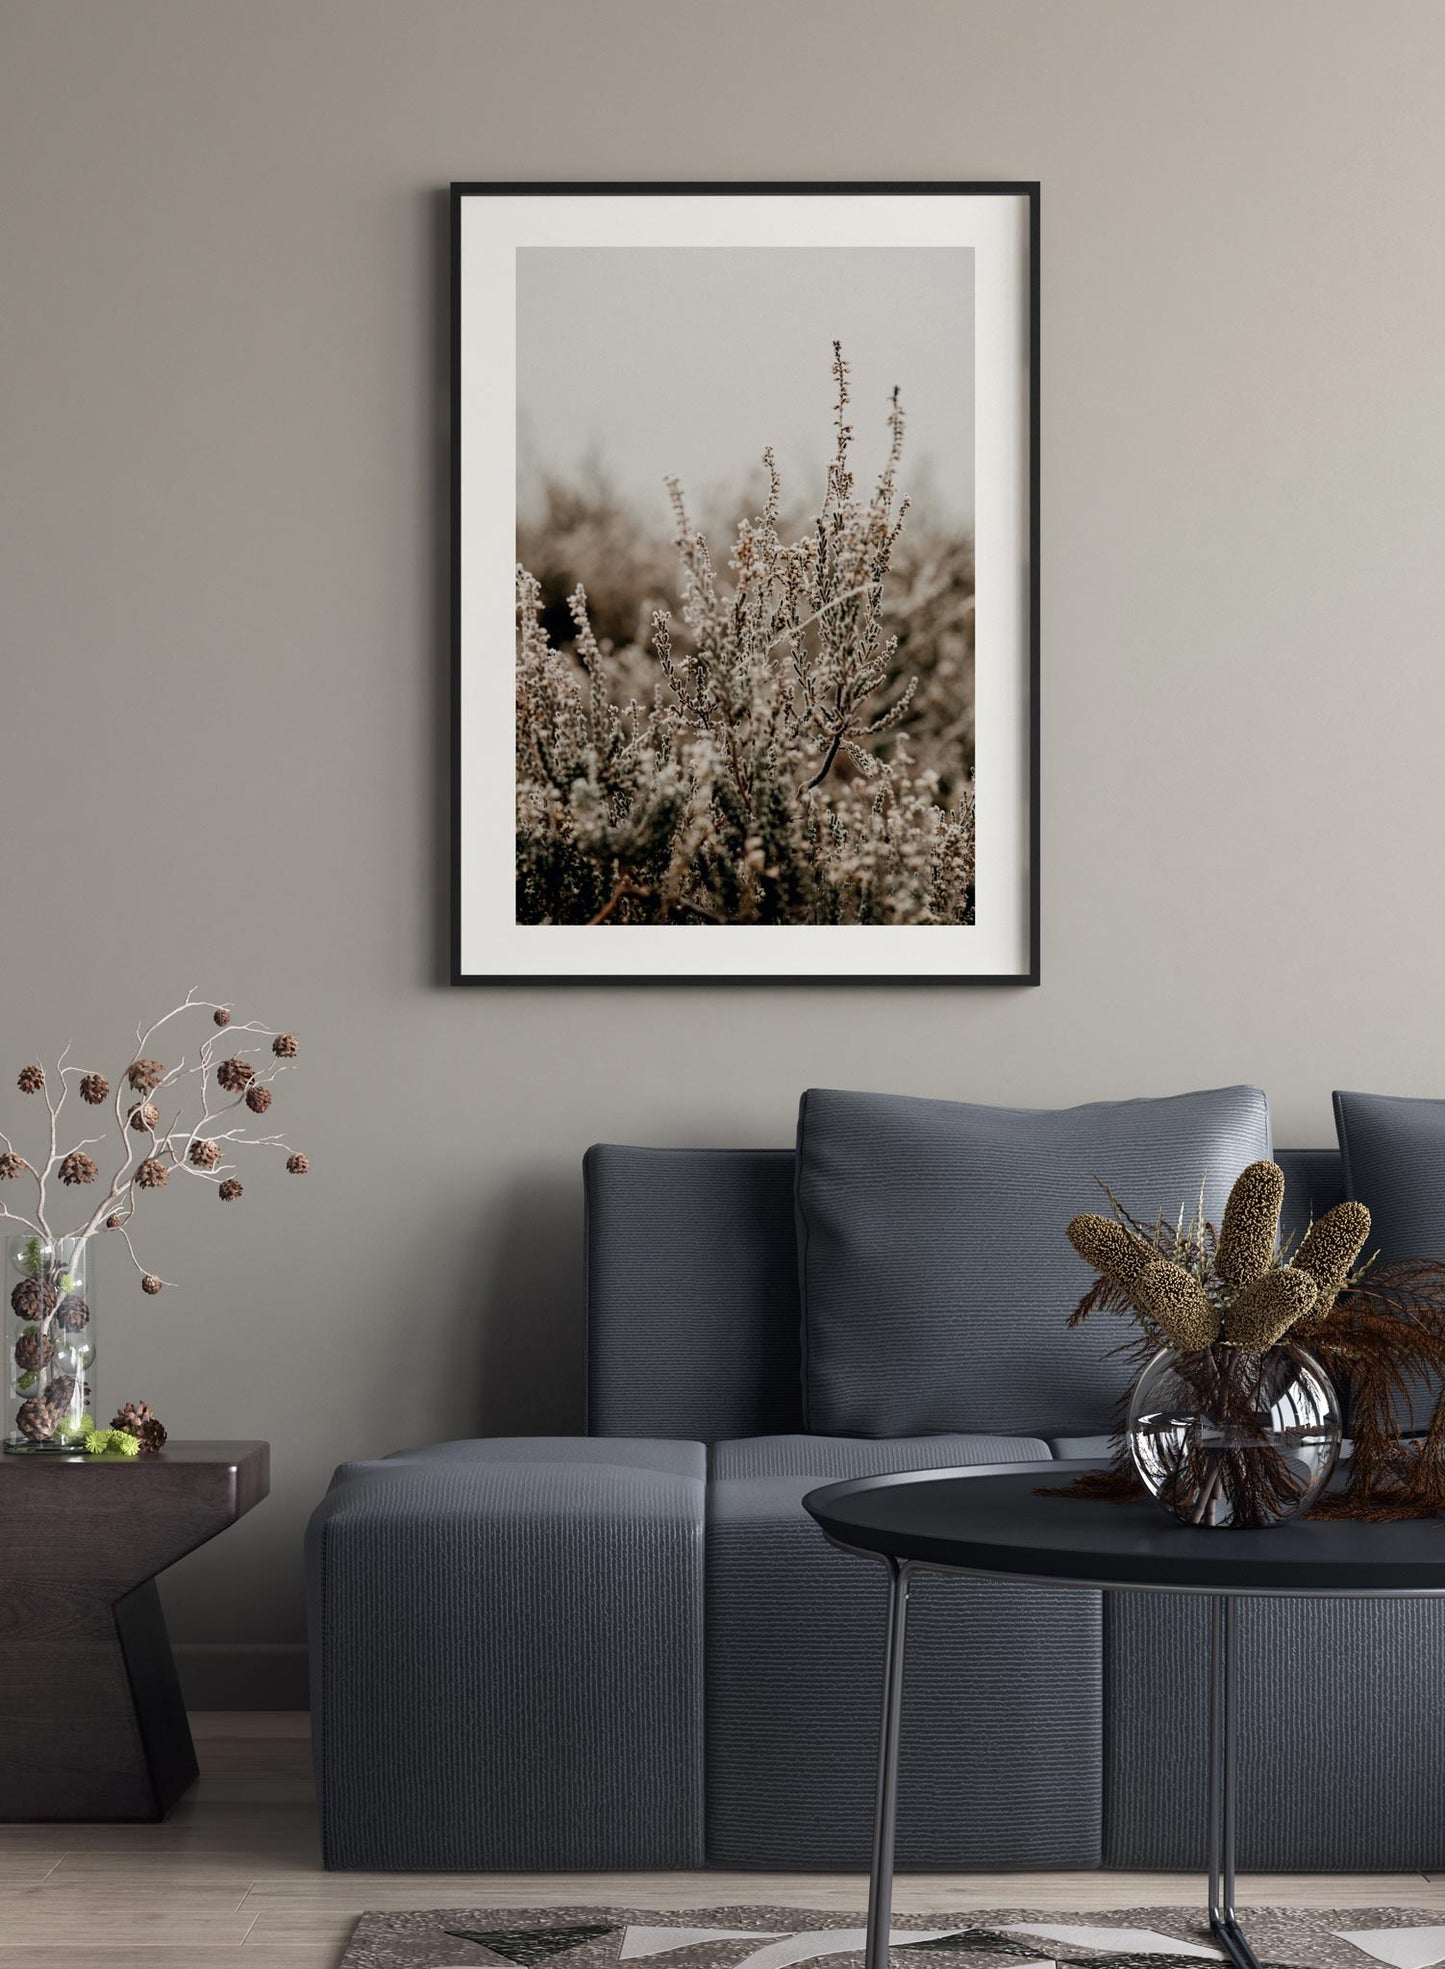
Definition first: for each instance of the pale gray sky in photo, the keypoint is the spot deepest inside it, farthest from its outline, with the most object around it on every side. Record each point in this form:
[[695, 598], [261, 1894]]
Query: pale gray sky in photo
[[691, 359]]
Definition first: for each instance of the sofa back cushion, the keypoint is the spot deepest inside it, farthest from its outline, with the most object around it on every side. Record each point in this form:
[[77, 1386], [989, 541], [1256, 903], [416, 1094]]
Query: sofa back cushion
[[1393, 1150], [936, 1278], [692, 1293]]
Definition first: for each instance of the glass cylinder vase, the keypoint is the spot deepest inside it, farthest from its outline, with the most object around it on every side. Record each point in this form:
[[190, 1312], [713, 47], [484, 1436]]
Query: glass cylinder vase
[[1226, 1437], [49, 1345]]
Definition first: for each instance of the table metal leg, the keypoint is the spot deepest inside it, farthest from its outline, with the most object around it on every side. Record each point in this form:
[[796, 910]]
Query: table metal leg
[[880, 1879], [1223, 1717]]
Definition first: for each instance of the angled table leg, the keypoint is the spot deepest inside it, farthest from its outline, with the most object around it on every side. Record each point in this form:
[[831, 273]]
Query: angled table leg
[[1223, 1718], [885, 1808]]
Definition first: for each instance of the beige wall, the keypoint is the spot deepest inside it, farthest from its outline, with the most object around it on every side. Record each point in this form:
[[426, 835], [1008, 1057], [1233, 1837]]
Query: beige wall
[[222, 564]]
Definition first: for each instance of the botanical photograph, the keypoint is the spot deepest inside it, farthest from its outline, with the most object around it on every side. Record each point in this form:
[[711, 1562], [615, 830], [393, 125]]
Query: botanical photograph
[[745, 586]]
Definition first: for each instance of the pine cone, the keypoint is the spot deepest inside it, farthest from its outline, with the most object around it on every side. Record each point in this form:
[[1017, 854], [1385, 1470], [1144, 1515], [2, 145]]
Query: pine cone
[[285, 1046], [145, 1075], [144, 1117], [130, 1415], [235, 1074], [150, 1284], [152, 1175], [230, 1190], [33, 1299], [221, 1016], [1249, 1230], [11, 1166], [74, 1315], [78, 1167], [204, 1154], [113, 1222], [58, 1394], [31, 1079], [33, 1350], [258, 1099], [151, 1436], [297, 1165], [35, 1420], [94, 1088]]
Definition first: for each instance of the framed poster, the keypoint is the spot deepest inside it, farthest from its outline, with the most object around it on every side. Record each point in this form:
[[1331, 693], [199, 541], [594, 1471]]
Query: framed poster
[[746, 577]]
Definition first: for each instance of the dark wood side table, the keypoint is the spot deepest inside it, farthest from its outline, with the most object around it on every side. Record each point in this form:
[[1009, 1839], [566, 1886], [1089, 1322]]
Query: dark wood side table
[[92, 1725]]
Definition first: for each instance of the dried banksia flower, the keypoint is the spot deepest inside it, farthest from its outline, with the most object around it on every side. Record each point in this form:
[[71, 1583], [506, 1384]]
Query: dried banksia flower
[[297, 1165], [74, 1315], [78, 1167], [33, 1299], [258, 1099], [1178, 1305], [11, 1166], [1110, 1249], [30, 1079], [34, 1350], [1329, 1250], [229, 1190], [145, 1117], [235, 1074], [94, 1088], [152, 1175], [285, 1046], [1249, 1230], [1268, 1307], [221, 1016], [145, 1075], [150, 1283], [203, 1154]]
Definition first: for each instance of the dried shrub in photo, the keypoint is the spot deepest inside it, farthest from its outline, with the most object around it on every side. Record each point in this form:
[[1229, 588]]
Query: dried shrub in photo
[[789, 741]]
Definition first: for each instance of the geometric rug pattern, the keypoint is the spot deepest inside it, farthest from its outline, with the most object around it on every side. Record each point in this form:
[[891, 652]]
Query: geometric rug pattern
[[757, 1937]]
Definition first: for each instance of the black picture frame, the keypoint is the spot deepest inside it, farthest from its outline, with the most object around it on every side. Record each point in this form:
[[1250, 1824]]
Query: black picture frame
[[1028, 190]]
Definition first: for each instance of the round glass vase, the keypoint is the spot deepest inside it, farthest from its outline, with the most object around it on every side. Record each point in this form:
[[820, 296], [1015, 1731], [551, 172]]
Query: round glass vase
[[49, 1345], [1227, 1437]]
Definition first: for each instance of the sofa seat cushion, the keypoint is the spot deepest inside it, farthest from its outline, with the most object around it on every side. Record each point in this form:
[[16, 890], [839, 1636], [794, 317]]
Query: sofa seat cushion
[[1341, 1739], [507, 1656], [833, 1459], [1002, 1724], [936, 1275]]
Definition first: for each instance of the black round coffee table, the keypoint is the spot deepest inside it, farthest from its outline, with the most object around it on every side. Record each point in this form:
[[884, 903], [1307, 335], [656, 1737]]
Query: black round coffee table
[[991, 1522]]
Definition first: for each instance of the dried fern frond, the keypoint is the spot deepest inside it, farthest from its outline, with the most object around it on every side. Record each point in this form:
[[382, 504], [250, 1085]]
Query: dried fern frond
[[1103, 1296]]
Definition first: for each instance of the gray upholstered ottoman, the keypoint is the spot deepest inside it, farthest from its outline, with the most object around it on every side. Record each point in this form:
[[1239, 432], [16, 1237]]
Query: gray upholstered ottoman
[[507, 1656]]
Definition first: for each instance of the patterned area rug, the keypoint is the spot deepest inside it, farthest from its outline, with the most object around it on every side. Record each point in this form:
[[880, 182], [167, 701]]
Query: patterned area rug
[[779, 1938]]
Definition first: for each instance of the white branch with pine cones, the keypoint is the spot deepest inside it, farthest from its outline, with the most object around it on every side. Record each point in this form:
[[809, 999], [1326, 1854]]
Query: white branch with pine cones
[[152, 1149]]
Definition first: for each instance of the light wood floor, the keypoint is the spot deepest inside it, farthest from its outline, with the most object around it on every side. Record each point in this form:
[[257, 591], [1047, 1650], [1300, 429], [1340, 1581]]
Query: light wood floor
[[232, 1877]]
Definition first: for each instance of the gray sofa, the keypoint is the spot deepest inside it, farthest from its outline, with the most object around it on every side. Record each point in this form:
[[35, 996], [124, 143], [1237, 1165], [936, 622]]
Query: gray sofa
[[632, 1649]]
